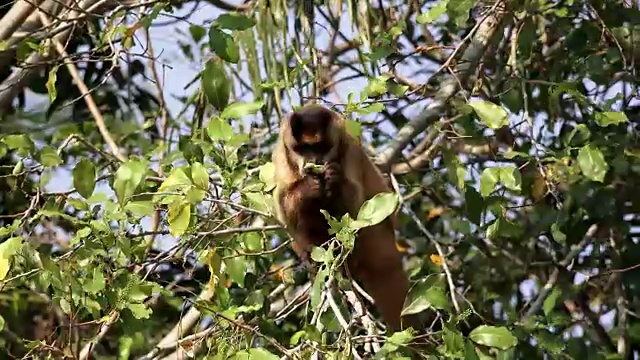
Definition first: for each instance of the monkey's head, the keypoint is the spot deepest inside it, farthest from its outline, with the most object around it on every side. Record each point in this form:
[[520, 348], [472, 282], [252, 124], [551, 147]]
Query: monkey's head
[[311, 133]]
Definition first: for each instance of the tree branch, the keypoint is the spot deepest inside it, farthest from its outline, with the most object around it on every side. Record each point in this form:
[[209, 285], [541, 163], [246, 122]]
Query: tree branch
[[465, 68]]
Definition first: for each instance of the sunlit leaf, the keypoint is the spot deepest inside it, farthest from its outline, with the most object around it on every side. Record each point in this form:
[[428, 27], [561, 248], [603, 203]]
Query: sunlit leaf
[[429, 292], [511, 178], [434, 12], [140, 311], [177, 180], [218, 129], [398, 339], [140, 208], [488, 180], [492, 336], [261, 354], [129, 176], [19, 141], [8, 249], [267, 175], [51, 83], [96, 282], [239, 110], [592, 163], [376, 209], [200, 176], [490, 114], [607, 118], [178, 216]]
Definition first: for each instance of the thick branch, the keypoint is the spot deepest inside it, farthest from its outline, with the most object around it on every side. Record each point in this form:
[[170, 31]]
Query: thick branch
[[553, 279], [18, 13]]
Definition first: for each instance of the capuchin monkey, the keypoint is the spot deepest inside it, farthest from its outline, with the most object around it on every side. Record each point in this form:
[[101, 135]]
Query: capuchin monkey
[[315, 134]]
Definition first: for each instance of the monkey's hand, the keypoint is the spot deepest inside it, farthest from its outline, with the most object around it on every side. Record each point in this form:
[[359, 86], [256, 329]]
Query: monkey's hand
[[312, 187], [332, 178]]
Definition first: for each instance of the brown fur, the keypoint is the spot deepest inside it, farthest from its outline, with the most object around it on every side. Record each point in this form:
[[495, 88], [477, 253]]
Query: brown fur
[[349, 179]]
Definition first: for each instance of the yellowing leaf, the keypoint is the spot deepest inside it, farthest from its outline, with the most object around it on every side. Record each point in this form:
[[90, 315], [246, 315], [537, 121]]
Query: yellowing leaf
[[7, 250], [435, 212], [436, 259], [178, 217]]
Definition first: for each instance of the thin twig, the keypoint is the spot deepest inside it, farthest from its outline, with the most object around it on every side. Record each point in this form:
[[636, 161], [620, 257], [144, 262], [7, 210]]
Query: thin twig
[[553, 279], [84, 90]]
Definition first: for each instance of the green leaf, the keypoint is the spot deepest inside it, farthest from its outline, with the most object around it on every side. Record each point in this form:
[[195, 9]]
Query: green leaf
[[429, 292], [51, 83], [267, 175], [84, 178], [258, 200], [607, 118], [470, 351], [435, 12], [48, 157], [178, 216], [252, 242], [200, 176], [592, 163], [197, 33], [223, 45], [492, 336], [458, 11], [490, 114], [558, 235], [7, 250], [318, 286], [376, 209], [19, 141], [96, 283], [354, 128], [234, 21], [261, 354], [140, 208], [318, 254], [375, 87], [511, 178], [488, 180], [550, 301], [218, 129], [398, 339], [140, 311], [239, 110], [1, 323], [176, 181], [129, 176], [236, 268], [216, 84]]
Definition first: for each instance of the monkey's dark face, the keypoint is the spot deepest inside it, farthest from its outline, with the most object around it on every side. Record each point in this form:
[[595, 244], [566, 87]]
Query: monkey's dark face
[[310, 129]]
